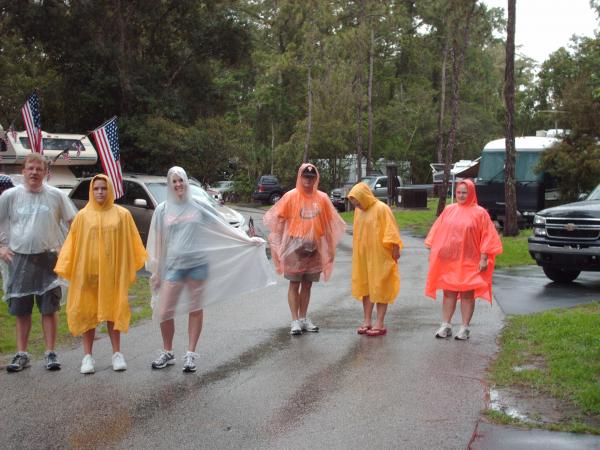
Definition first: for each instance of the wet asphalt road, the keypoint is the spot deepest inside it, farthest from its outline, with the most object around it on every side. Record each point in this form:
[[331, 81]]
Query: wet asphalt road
[[526, 290], [258, 387]]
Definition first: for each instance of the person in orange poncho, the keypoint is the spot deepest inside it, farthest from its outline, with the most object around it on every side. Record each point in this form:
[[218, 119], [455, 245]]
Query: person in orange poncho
[[305, 229], [100, 257], [464, 244], [375, 251]]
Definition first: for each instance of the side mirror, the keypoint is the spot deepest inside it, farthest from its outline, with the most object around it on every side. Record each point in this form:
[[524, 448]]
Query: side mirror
[[142, 203], [377, 186], [582, 196]]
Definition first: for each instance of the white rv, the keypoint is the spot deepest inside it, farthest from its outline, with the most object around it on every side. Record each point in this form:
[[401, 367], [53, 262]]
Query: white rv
[[63, 151]]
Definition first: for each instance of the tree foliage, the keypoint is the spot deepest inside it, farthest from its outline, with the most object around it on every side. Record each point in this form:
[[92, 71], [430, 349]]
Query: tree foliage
[[220, 86]]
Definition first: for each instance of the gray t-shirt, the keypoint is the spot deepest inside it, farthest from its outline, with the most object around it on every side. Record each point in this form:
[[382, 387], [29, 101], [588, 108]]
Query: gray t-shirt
[[37, 221]]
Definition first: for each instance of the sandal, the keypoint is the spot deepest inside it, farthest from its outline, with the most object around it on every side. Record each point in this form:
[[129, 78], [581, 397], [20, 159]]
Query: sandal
[[377, 332], [363, 329]]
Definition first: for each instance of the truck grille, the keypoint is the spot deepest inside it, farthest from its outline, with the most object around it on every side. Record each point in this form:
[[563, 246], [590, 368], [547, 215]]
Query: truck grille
[[566, 228]]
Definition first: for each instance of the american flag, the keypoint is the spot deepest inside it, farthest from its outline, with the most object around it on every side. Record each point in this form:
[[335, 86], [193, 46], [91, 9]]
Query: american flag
[[12, 131], [33, 122], [106, 138], [77, 146], [251, 228]]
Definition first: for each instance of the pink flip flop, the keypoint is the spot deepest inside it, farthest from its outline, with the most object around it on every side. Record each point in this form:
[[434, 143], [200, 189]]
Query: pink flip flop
[[363, 329]]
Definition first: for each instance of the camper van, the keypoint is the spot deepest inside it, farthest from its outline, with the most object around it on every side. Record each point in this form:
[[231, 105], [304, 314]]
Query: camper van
[[63, 151], [535, 190]]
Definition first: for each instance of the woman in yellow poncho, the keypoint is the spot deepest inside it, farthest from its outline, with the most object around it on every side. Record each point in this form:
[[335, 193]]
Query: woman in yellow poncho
[[375, 251], [100, 258]]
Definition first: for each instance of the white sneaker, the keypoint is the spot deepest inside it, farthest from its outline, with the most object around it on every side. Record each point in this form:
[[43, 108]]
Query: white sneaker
[[307, 325], [87, 364], [189, 362], [118, 362], [296, 328], [463, 333], [444, 331]]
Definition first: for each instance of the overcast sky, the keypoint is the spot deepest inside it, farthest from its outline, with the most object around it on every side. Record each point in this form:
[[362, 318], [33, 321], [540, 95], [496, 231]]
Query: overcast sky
[[544, 26]]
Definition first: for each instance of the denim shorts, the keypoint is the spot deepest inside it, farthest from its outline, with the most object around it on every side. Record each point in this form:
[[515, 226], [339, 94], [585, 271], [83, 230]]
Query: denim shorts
[[198, 273]]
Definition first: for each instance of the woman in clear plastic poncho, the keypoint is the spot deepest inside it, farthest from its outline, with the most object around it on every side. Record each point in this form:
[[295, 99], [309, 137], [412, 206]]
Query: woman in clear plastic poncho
[[195, 258], [376, 246], [464, 244], [305, 229], [100, 258]]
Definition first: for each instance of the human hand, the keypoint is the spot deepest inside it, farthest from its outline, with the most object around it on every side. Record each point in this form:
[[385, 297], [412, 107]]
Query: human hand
[[483, 263], [6, 254], [396, 252], [155, 282], [257, 241]]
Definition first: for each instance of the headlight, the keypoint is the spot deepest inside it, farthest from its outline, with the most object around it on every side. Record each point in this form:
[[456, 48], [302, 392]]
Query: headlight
[[539, 231], [539, 220]]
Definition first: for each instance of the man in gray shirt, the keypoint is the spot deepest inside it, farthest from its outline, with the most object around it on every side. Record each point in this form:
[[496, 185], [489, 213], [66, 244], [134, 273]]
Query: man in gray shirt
[[35, 217]]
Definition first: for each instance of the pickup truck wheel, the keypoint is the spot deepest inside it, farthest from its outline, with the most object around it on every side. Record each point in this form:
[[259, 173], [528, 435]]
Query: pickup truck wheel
[[560, 275], [274, 198]]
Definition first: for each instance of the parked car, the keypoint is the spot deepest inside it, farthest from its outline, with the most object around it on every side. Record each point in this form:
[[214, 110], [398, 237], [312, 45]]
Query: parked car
[[339, 196], [227, 190], [143, 193], [566, 238], [268, 190], [379, 185]]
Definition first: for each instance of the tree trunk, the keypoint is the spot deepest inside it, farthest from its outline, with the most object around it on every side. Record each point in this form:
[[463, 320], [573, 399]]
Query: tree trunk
[[370, 105], [457, 52], [272, 144], [359, 142], [511, 227], [440, 147], [309, 118]]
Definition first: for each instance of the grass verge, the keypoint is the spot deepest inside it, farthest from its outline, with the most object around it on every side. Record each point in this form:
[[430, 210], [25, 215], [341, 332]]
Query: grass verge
[[419, 221], [139, 301], [553, 354]]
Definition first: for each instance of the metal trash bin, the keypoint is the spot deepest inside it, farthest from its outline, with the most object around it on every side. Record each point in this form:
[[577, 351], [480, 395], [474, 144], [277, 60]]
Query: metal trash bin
[[413, 198]]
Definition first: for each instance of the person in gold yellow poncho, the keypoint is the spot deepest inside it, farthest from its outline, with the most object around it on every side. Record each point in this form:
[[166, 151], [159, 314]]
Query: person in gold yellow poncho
[[100, 257], [375, 251]]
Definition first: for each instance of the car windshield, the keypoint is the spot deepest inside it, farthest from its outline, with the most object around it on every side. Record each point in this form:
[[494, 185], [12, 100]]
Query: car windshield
[[595, 194], [222, 184], [159, 192], [369, 181]]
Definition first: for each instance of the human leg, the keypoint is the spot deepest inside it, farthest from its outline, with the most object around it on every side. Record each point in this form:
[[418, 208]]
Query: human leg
[[381, 310], [449, 305], [194, 328], [294, 299], [23, 327], [170, 292], [448, 308], [367, 315], [304, 298], [115, 337], [88, 341], [467, 306]]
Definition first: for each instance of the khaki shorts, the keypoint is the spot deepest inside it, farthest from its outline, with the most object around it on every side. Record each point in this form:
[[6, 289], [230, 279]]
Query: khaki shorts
[[313, 277]]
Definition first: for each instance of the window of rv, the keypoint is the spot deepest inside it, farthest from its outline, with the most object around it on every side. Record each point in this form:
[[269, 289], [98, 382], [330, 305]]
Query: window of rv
[[54, 144], [491, 166]]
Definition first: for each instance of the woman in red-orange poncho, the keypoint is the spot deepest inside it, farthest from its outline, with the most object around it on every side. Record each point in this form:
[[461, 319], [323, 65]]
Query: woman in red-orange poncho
[[464, 244]]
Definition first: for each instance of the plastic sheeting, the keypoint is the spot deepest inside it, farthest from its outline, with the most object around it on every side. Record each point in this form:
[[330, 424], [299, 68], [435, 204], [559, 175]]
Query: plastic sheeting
[[34, 225], [457, 239], [305, 230], [100, 258], [375, 232], [196, 258]]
